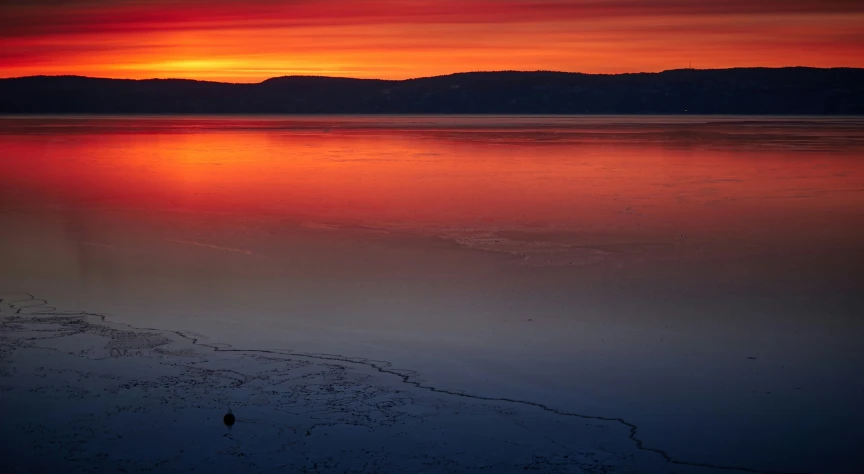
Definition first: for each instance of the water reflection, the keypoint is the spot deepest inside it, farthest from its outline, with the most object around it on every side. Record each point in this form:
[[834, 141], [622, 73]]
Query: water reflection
[[93, 258], [698, 277]]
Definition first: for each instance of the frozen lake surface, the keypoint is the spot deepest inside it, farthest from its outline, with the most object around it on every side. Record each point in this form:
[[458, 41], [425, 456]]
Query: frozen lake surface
[[692, 285]]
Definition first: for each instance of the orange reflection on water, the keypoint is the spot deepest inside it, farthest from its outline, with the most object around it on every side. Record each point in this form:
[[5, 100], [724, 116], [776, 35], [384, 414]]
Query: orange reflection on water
[[659, 177]]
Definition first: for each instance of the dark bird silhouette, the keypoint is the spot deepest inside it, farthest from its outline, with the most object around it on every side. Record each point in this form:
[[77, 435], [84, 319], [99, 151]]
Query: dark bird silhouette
[[229, 418]]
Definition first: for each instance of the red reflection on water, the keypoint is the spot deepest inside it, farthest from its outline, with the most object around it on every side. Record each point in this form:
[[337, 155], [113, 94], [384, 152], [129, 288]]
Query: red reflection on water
[[726, 178]]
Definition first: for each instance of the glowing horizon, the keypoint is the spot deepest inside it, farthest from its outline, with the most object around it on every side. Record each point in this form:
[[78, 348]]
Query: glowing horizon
[[230, 41]]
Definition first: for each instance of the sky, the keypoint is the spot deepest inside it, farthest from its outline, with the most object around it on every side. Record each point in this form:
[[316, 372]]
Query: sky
[[252, 40]]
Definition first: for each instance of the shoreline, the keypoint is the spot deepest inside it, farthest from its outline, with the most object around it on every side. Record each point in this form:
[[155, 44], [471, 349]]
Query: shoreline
[[379, 399]]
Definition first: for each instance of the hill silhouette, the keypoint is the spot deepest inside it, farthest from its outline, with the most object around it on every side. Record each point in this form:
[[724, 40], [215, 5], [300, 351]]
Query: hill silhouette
[[798, 90]]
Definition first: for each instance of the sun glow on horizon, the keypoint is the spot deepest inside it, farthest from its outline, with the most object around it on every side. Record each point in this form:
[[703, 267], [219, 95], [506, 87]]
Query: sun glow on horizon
[[389, 39]]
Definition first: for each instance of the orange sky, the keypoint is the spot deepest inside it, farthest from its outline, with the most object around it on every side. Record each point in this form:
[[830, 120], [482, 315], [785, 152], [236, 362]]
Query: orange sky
[[251, 40]]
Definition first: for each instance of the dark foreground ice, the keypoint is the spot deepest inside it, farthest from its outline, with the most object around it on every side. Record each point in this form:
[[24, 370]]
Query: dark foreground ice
[[90, 395]]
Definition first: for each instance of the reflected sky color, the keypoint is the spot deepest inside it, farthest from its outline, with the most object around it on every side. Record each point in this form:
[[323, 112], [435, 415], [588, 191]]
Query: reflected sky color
[[698, 276]]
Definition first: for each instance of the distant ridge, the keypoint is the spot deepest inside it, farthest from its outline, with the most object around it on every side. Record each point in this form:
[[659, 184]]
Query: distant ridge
[[781, 91]]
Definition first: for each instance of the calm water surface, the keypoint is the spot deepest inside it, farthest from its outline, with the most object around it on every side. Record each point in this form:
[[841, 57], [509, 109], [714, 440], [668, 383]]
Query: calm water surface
[[699, 277]]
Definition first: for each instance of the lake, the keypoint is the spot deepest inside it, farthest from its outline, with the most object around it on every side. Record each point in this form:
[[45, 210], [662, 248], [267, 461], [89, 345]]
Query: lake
[[698, 277]]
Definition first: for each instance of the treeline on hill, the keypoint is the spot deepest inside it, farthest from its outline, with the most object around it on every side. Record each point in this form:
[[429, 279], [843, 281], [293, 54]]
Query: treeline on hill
[[804, 91]]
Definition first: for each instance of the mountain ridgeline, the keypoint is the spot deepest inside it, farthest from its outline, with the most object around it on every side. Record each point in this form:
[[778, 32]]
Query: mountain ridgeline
[[784, 91]]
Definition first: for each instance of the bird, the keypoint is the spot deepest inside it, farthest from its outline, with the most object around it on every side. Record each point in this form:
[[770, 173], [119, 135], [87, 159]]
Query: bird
[[228, 418]]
